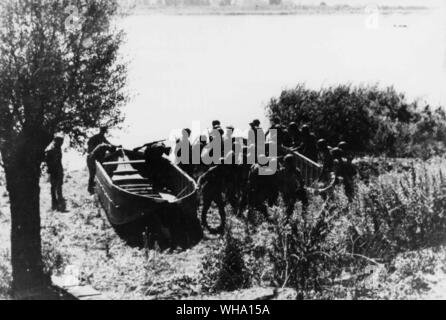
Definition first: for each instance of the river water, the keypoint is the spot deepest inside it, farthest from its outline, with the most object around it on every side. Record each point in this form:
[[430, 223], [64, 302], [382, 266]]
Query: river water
[[200, 68]]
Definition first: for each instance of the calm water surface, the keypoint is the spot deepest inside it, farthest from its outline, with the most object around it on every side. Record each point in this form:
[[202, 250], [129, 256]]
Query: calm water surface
[[186, 68], [189, 68]]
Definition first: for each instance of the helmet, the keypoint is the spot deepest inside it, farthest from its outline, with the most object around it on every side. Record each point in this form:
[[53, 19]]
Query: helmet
[[290, 160], [322, 144], [305, 129], [59, 138], [343, 145], [293, 127], [255, 123], [337, 153]]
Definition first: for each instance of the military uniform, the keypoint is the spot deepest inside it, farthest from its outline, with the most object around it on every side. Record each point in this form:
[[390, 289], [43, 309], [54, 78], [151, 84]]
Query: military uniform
[[308, 146], [327, 164], [53, 159], [294, 134], [98, 154], [344, 171], [212, 185], [95, 141], [261, 189], [326, 158], [292, 186], [157, 165], [347, 171], [181, 144]]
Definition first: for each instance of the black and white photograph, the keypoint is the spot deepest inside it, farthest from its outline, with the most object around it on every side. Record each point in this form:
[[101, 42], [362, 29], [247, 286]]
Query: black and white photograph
[[250, 151]]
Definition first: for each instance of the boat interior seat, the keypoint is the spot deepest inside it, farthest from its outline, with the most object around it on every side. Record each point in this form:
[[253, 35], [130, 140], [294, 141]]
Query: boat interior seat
[[136, 186], [125, 172]]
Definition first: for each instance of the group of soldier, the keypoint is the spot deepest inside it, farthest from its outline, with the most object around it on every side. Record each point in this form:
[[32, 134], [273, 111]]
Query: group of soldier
[[242, 185], [97, 148], [239, 184]]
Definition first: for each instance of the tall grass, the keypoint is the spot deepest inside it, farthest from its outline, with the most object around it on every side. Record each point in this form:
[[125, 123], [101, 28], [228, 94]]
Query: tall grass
[[393, 214]]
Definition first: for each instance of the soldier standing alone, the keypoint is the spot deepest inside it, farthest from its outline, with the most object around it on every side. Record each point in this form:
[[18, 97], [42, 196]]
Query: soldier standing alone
[[53, 159]]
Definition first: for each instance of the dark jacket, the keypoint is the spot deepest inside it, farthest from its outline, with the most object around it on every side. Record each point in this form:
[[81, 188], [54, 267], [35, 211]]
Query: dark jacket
[[95, 141]]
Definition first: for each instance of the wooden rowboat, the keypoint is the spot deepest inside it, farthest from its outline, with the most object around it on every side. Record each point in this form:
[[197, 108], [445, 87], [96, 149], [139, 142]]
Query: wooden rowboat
[[127, 196]]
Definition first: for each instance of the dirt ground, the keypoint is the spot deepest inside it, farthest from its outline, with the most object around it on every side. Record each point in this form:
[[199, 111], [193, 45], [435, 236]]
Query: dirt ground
[[81, 242]]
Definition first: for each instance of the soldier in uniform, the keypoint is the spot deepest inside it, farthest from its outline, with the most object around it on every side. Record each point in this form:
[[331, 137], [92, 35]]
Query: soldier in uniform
[[283, 138], [261, 189], [184, 143], [326, 158], [292, 187], [97, 139], [53, 159], [216, 124], [344, 172], [345, 148], [213, 185], [197, 149], [294, 133], [308, 147], [215, 135], [255, 131], [98, 154], [157, 165]]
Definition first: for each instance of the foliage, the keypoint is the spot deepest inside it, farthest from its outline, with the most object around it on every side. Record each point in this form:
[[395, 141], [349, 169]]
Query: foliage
[[225, 270], [58, 78], [302, 251], [400, 212], [343, 249], [5, 275], [372, 120], [344, 257], [59, 73]]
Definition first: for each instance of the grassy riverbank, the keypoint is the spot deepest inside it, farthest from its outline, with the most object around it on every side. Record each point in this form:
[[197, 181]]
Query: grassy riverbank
[[406, 262]]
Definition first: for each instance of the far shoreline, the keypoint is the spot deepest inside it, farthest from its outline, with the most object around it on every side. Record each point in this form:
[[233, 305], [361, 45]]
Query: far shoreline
[[265, 10]]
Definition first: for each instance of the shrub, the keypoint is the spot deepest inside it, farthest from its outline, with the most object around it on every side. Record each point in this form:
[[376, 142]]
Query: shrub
[[340, 248], [305, 252], [225, 270], [372, 120], [400, 212], [5, 275]]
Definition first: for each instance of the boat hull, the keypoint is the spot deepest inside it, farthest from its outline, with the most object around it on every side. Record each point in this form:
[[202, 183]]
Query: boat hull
[[171, 218]]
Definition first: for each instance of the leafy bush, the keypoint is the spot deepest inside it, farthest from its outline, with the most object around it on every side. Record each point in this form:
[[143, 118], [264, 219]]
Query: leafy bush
[[340, 248], [372, 120], [225, 270], [400, 212], [5, 275]]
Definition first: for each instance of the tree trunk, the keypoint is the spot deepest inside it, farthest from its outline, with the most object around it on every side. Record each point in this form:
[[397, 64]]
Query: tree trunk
[[22, 169]]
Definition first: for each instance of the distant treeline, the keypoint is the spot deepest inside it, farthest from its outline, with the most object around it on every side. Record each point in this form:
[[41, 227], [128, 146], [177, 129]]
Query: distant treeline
[[373, 120], [287, 4]]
